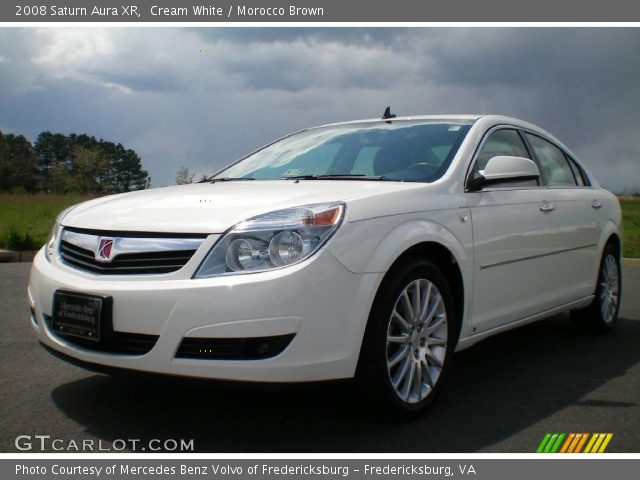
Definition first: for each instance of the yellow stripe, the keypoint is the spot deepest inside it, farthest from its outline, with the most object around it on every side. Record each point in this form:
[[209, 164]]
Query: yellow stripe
[[584, 439], [596, 445], [574, 443], [590, 444], [567, 442], [605, 443]]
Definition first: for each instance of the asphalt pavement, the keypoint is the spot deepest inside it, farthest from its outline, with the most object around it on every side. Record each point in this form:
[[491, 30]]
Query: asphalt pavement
[[502, 395]]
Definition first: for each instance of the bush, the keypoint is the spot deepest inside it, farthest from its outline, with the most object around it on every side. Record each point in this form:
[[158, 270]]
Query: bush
[[26, 220], [13, 240]]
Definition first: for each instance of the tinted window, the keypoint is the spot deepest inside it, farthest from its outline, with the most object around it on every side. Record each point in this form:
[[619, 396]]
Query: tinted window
[[363, 164], [400, 150], [578, 173], [501, 142], [553, 163]]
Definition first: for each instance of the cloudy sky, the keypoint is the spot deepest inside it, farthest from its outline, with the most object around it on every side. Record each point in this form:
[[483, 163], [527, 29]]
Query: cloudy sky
[[202, 97]]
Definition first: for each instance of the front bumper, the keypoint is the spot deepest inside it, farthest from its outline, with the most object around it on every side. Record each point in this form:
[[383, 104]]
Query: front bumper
[[319, 301]]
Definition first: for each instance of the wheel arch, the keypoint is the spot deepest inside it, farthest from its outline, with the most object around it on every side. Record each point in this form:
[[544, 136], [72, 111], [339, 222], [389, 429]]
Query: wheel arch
[[412, 237], [447, 263], [436, 242], [615, 240], [610, 235]]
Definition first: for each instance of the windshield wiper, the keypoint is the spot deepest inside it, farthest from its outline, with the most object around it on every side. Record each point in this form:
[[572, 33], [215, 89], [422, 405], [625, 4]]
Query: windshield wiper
[[228, 179], [337, 176]]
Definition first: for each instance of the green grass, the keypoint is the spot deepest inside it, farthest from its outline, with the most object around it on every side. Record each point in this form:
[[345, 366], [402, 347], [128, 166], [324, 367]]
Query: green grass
[[26, 220], [630, 226]]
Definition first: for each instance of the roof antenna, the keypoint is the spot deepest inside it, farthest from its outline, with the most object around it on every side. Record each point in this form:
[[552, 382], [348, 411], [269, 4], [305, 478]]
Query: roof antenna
[[387, 114]]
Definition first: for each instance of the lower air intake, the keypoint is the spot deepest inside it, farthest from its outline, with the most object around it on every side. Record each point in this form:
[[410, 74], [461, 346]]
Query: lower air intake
[[121, 343], [256, 348]]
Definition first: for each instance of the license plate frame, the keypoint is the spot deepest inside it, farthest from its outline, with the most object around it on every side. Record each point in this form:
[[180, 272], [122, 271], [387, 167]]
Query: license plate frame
[[80, 315]]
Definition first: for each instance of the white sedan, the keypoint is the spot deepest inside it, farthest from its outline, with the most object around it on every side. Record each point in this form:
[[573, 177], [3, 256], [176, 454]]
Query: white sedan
[[370, 249]]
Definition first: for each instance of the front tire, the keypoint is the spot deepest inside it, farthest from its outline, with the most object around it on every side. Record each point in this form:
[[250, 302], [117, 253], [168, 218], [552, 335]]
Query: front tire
[[410, 338], [602, 314]]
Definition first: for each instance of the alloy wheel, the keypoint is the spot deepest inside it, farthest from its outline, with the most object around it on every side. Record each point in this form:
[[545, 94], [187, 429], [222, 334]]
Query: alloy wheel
[[609, 288], [417, 337]]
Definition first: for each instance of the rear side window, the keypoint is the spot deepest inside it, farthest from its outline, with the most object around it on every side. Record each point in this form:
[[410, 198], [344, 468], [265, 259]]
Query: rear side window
[[501, 142], [554, 164], [581, 177]]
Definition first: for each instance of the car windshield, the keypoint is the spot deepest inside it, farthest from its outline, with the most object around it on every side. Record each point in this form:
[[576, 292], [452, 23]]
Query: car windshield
[[396, 151]]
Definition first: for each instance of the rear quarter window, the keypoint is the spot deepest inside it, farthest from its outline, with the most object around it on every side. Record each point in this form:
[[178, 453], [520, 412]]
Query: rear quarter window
[[581, 177]]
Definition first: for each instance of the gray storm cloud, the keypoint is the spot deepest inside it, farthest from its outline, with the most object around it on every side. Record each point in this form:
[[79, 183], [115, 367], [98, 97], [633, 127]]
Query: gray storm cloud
[[202, 97]]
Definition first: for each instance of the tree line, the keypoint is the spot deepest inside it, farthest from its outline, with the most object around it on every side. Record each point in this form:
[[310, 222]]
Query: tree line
[[68, 164]]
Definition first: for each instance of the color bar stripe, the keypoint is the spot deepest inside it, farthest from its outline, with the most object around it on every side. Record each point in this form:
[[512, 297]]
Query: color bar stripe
[[567, 442], [543, 443], [572, 447], [550, 443], [574, 442], [591, 442], [596, 446], [556, 446], [581, 443], [605, 442]]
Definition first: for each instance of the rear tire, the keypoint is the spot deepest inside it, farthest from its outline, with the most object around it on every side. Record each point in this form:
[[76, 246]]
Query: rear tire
[[602, 314], [409, 340]]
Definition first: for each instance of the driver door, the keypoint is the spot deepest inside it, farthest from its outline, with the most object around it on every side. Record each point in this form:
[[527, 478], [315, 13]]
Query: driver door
[[509, 231]]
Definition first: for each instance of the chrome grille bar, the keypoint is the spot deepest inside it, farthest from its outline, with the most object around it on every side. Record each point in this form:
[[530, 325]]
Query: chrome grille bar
[[125, 244], [130, 255]]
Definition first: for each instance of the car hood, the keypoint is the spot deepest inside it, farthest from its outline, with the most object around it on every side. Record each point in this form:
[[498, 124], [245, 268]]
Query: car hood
[[213, 207]]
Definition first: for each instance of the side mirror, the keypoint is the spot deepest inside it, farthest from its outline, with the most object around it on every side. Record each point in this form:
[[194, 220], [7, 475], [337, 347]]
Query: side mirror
[[504, 169]]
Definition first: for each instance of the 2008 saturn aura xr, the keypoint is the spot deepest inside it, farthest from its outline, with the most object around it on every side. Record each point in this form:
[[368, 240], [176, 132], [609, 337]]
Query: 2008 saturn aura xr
[[370, 249]]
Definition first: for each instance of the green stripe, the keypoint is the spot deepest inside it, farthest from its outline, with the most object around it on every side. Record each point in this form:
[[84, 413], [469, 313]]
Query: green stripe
[[550, 443], [558, 443], [543, 443]]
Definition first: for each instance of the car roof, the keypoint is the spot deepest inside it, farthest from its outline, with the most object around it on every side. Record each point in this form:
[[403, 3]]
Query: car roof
[[486, 120], [462, 118]]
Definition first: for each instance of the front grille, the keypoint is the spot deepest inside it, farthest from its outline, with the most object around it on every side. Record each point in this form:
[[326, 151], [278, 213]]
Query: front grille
[[255, 348], [130, 253], [125, 263], [121, 343]]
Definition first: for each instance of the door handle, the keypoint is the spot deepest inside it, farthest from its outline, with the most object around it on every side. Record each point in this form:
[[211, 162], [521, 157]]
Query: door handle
[[547, 207], [596, 204]]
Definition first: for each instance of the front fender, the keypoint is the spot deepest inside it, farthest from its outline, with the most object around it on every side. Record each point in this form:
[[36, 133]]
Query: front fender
[[372, 246], [410, 234]]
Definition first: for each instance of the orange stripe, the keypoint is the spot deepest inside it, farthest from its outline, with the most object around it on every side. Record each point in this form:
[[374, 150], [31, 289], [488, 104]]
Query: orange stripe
[[584, 439], [567, 442], [574, 443]]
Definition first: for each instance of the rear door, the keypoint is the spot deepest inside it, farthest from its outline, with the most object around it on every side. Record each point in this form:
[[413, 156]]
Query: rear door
[[573, 245]]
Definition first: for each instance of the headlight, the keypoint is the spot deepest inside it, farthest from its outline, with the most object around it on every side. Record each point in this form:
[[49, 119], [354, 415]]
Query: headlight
[[273, 240], [52, 243]]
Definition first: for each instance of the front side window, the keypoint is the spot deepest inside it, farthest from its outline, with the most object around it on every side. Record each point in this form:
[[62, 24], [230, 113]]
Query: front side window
[[505, 142], [501, 142], [553, 163], [397, 151]]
